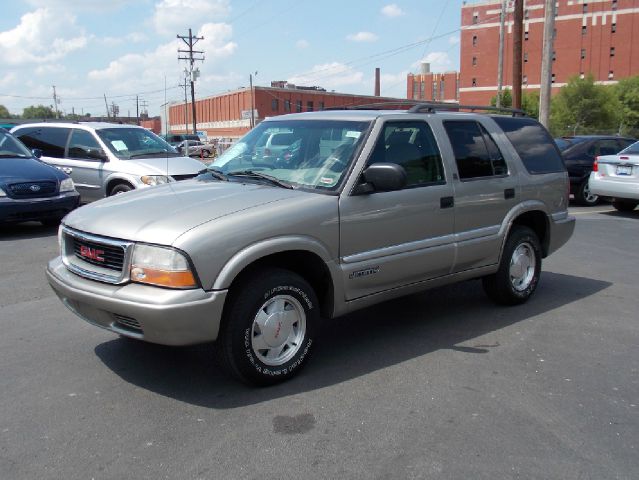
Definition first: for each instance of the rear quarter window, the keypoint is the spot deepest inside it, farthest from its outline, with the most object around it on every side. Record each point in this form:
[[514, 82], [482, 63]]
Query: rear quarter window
[[52, 141], [533, 143]]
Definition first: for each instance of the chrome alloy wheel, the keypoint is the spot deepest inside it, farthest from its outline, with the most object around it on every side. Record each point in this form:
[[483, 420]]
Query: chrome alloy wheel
[[522, 266], [589, 197], [278, 330]]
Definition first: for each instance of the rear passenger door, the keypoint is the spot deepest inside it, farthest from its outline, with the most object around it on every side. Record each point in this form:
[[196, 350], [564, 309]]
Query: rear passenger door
[[485, 190], [392, 239], [52, 142]]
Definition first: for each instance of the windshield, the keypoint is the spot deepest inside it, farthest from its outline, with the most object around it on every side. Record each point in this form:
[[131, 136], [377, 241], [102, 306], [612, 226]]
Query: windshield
[[303, 153], [631, 150], [10, 146], [128, 143]]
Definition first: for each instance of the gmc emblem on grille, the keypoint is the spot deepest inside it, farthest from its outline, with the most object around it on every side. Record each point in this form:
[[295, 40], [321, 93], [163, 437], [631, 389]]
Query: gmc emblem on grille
[[92, 253], [34, 188]]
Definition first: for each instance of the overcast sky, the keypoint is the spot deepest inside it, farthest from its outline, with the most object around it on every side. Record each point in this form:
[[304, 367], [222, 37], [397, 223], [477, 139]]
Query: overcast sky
[[88, 48]]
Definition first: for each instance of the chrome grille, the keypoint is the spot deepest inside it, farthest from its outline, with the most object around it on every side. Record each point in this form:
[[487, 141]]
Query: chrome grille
[[112, 256], [33, 189]]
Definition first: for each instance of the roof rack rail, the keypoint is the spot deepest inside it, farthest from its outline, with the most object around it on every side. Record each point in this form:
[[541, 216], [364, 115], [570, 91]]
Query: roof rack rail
[[432, 107]]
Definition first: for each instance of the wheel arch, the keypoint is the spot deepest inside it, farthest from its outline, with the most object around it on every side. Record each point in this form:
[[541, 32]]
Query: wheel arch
[[113, 181]]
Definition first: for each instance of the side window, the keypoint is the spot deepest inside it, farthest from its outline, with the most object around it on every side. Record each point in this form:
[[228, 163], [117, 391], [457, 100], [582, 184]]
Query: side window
[[83, 145], [52, 141], [623, 143], [476, 153], [608, 147], [533, 143], [411, 145]]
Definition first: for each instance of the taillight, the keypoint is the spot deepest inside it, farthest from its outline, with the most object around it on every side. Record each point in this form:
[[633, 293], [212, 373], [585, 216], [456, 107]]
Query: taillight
[[624, 158], [595, 166]]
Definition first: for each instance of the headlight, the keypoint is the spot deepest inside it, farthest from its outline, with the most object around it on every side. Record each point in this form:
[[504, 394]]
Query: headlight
[[2, 194], [161, 266], [155, 179], [66, 185]]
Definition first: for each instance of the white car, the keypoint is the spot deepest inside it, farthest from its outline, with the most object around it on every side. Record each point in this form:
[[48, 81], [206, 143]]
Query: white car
[[617, 177]]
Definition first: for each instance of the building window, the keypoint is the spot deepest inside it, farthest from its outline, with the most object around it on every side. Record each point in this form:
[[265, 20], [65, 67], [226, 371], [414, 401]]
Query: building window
[[475, 40], [554, 34], [525, 57], [552, 78], [583, 53], [526, 36], [309, 106], [613, 27], [612, 51], [275, 105], [585, 8], [524, 79], [526, 15], [554, 56], [287, 105], [321, 105], [474, 61], [614, 4], [475, 18], [298, 106], [584, 30], [611, 75], [474, 82]]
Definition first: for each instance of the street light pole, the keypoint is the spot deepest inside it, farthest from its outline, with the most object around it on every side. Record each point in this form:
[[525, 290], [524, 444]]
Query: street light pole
[[252, 100]]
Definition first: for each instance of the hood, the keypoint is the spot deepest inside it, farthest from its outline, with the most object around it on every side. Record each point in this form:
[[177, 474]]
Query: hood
[[163, 213], [160, 165], [17, 170]]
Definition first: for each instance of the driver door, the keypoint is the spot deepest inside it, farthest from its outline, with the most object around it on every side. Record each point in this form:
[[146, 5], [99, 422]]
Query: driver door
[[87, 159]]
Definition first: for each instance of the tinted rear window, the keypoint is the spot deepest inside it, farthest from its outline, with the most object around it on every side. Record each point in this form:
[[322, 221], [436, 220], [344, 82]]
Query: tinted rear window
[[51, 140], [533, 143], [632, 149]]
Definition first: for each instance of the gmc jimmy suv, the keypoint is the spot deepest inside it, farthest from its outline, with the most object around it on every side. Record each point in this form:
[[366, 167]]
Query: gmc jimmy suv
[[373, 205]]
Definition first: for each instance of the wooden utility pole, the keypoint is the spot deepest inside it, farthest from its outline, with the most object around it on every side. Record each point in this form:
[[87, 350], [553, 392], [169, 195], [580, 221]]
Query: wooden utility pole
[[193, 73], [546, 63], [500, 61], [518, 24]]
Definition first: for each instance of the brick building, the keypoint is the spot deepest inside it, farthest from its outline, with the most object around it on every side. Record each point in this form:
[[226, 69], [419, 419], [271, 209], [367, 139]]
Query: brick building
[[436, 87], [228, 115], [600, 37]]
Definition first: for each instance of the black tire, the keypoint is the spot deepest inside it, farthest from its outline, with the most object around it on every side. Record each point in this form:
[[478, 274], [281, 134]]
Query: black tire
[[268, 293], [584, 197], [120, 188], [505, 289], [624, 205]]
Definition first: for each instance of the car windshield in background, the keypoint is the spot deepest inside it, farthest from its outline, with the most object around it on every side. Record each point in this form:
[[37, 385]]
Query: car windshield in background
[[303, 153], [11, 147], [127, 143], [631, 150]]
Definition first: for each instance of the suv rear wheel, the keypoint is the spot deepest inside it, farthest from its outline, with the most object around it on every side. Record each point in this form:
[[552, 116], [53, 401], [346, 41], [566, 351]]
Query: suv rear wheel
[[519, 269], [268, 325]]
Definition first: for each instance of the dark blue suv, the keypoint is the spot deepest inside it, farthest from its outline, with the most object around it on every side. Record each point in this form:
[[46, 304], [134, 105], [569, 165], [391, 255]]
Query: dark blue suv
[[31, 189]]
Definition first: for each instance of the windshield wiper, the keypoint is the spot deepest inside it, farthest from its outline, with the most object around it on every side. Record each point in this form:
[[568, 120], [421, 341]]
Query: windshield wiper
[[158, 152], [214, 173], [261, 176], [13, 155]]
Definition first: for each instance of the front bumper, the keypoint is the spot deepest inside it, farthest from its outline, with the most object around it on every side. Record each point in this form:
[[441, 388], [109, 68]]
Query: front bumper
[[157, 315], [562, 226], [24, 210]]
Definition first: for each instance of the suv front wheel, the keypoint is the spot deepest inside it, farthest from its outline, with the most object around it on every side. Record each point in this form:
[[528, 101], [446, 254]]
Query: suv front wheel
[[268, 326], [519, 269]]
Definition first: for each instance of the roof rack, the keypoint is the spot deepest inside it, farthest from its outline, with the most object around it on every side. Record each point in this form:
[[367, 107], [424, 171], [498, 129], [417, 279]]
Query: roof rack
[[430, 107]]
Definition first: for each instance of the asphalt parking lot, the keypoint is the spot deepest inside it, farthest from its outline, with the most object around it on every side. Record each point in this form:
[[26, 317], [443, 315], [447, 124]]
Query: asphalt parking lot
[[438, 385]]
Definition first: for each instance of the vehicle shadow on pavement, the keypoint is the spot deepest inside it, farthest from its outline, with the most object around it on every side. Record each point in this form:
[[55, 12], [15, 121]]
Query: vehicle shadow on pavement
[[23, 231], [347, 347], [615, 213]]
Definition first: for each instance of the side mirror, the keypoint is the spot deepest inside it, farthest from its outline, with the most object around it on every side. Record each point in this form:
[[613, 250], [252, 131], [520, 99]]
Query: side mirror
[[382, 177], [97, 153], [37, 153]]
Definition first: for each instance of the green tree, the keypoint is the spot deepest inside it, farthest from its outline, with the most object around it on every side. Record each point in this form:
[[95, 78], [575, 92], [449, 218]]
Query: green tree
[[506, 99], [627, 91], [38, 111], [582, 107], [530, 104], [4, 112]]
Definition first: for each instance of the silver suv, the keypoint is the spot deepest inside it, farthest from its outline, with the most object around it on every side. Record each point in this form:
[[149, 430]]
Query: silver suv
[[105, 159], [374, 205]]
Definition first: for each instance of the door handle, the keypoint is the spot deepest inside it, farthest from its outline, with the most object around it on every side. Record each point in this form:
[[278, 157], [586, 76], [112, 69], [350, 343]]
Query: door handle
[[446, 202], [509, 193]]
